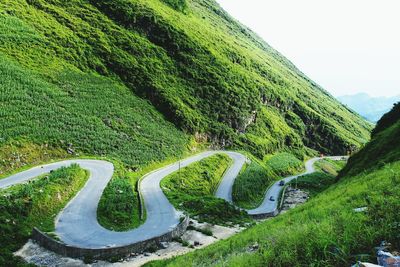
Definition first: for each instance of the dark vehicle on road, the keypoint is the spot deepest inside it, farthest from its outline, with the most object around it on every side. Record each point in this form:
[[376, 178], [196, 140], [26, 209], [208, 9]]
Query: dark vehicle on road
[[272, 198], [282, 183]]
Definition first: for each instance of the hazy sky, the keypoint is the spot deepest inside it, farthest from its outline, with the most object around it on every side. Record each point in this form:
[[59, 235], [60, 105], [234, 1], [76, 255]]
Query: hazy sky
[[347, 46]]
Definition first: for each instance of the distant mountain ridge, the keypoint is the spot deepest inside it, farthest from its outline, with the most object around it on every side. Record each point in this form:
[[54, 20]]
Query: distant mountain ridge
[[371, 108]]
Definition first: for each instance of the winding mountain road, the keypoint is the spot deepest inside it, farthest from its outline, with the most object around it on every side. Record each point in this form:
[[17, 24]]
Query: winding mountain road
[[271, 207], [77, 224]]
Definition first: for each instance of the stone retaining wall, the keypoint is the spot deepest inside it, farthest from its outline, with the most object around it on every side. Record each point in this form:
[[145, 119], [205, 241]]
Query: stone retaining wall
[[105, 253]]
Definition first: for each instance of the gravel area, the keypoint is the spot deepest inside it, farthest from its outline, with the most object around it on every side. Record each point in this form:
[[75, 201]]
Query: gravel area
[[293, 198]]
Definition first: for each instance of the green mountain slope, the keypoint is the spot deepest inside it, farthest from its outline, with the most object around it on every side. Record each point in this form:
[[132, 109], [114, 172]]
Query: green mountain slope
[[384, 147], [117, 77], [328, 230]]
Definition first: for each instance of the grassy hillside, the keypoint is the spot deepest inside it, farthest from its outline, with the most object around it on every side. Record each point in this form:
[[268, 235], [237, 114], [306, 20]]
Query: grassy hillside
[[255, 178], [139, 82], [383, 148], [327, 230], [324, 176], [69, 69]]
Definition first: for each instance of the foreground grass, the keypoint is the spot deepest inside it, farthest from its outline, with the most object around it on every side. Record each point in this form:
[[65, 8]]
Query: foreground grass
[[35, 204], [326, 231], [192, 189]]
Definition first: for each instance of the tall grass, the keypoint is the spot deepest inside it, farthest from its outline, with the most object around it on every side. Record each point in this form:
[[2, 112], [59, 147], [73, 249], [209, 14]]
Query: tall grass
[[249, 188], [193, 187], [284, 164], [35, 204]]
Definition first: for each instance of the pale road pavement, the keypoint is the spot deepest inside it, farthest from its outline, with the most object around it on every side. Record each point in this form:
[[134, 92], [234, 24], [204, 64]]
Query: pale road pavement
[[77, 224]]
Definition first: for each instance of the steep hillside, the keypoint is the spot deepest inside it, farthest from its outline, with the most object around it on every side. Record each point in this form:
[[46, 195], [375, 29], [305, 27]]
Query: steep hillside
[[329, 230], [116, 78], [383, 148]]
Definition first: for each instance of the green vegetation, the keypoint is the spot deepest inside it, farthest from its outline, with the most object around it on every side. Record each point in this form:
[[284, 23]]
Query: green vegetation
[[249, 188], [199, 179], [284, 164], [388, 119], [87, 61], [180, 5], [324, 231], [117, 209], [192, 189], [139, 82], [34, 204], [74, 116], [205, 231], [327, 230], [19, 155], [323, 178], [383, 148], [314, 183], [330, 166], [62, 112]]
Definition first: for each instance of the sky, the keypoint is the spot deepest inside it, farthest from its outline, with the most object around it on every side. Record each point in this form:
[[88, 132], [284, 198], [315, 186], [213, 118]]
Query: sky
[[346, 46]]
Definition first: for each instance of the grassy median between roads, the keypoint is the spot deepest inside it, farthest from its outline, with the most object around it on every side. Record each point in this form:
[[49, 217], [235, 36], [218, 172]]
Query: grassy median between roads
[[284, 164], [192, 189], [249, 188], [35, 204]]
